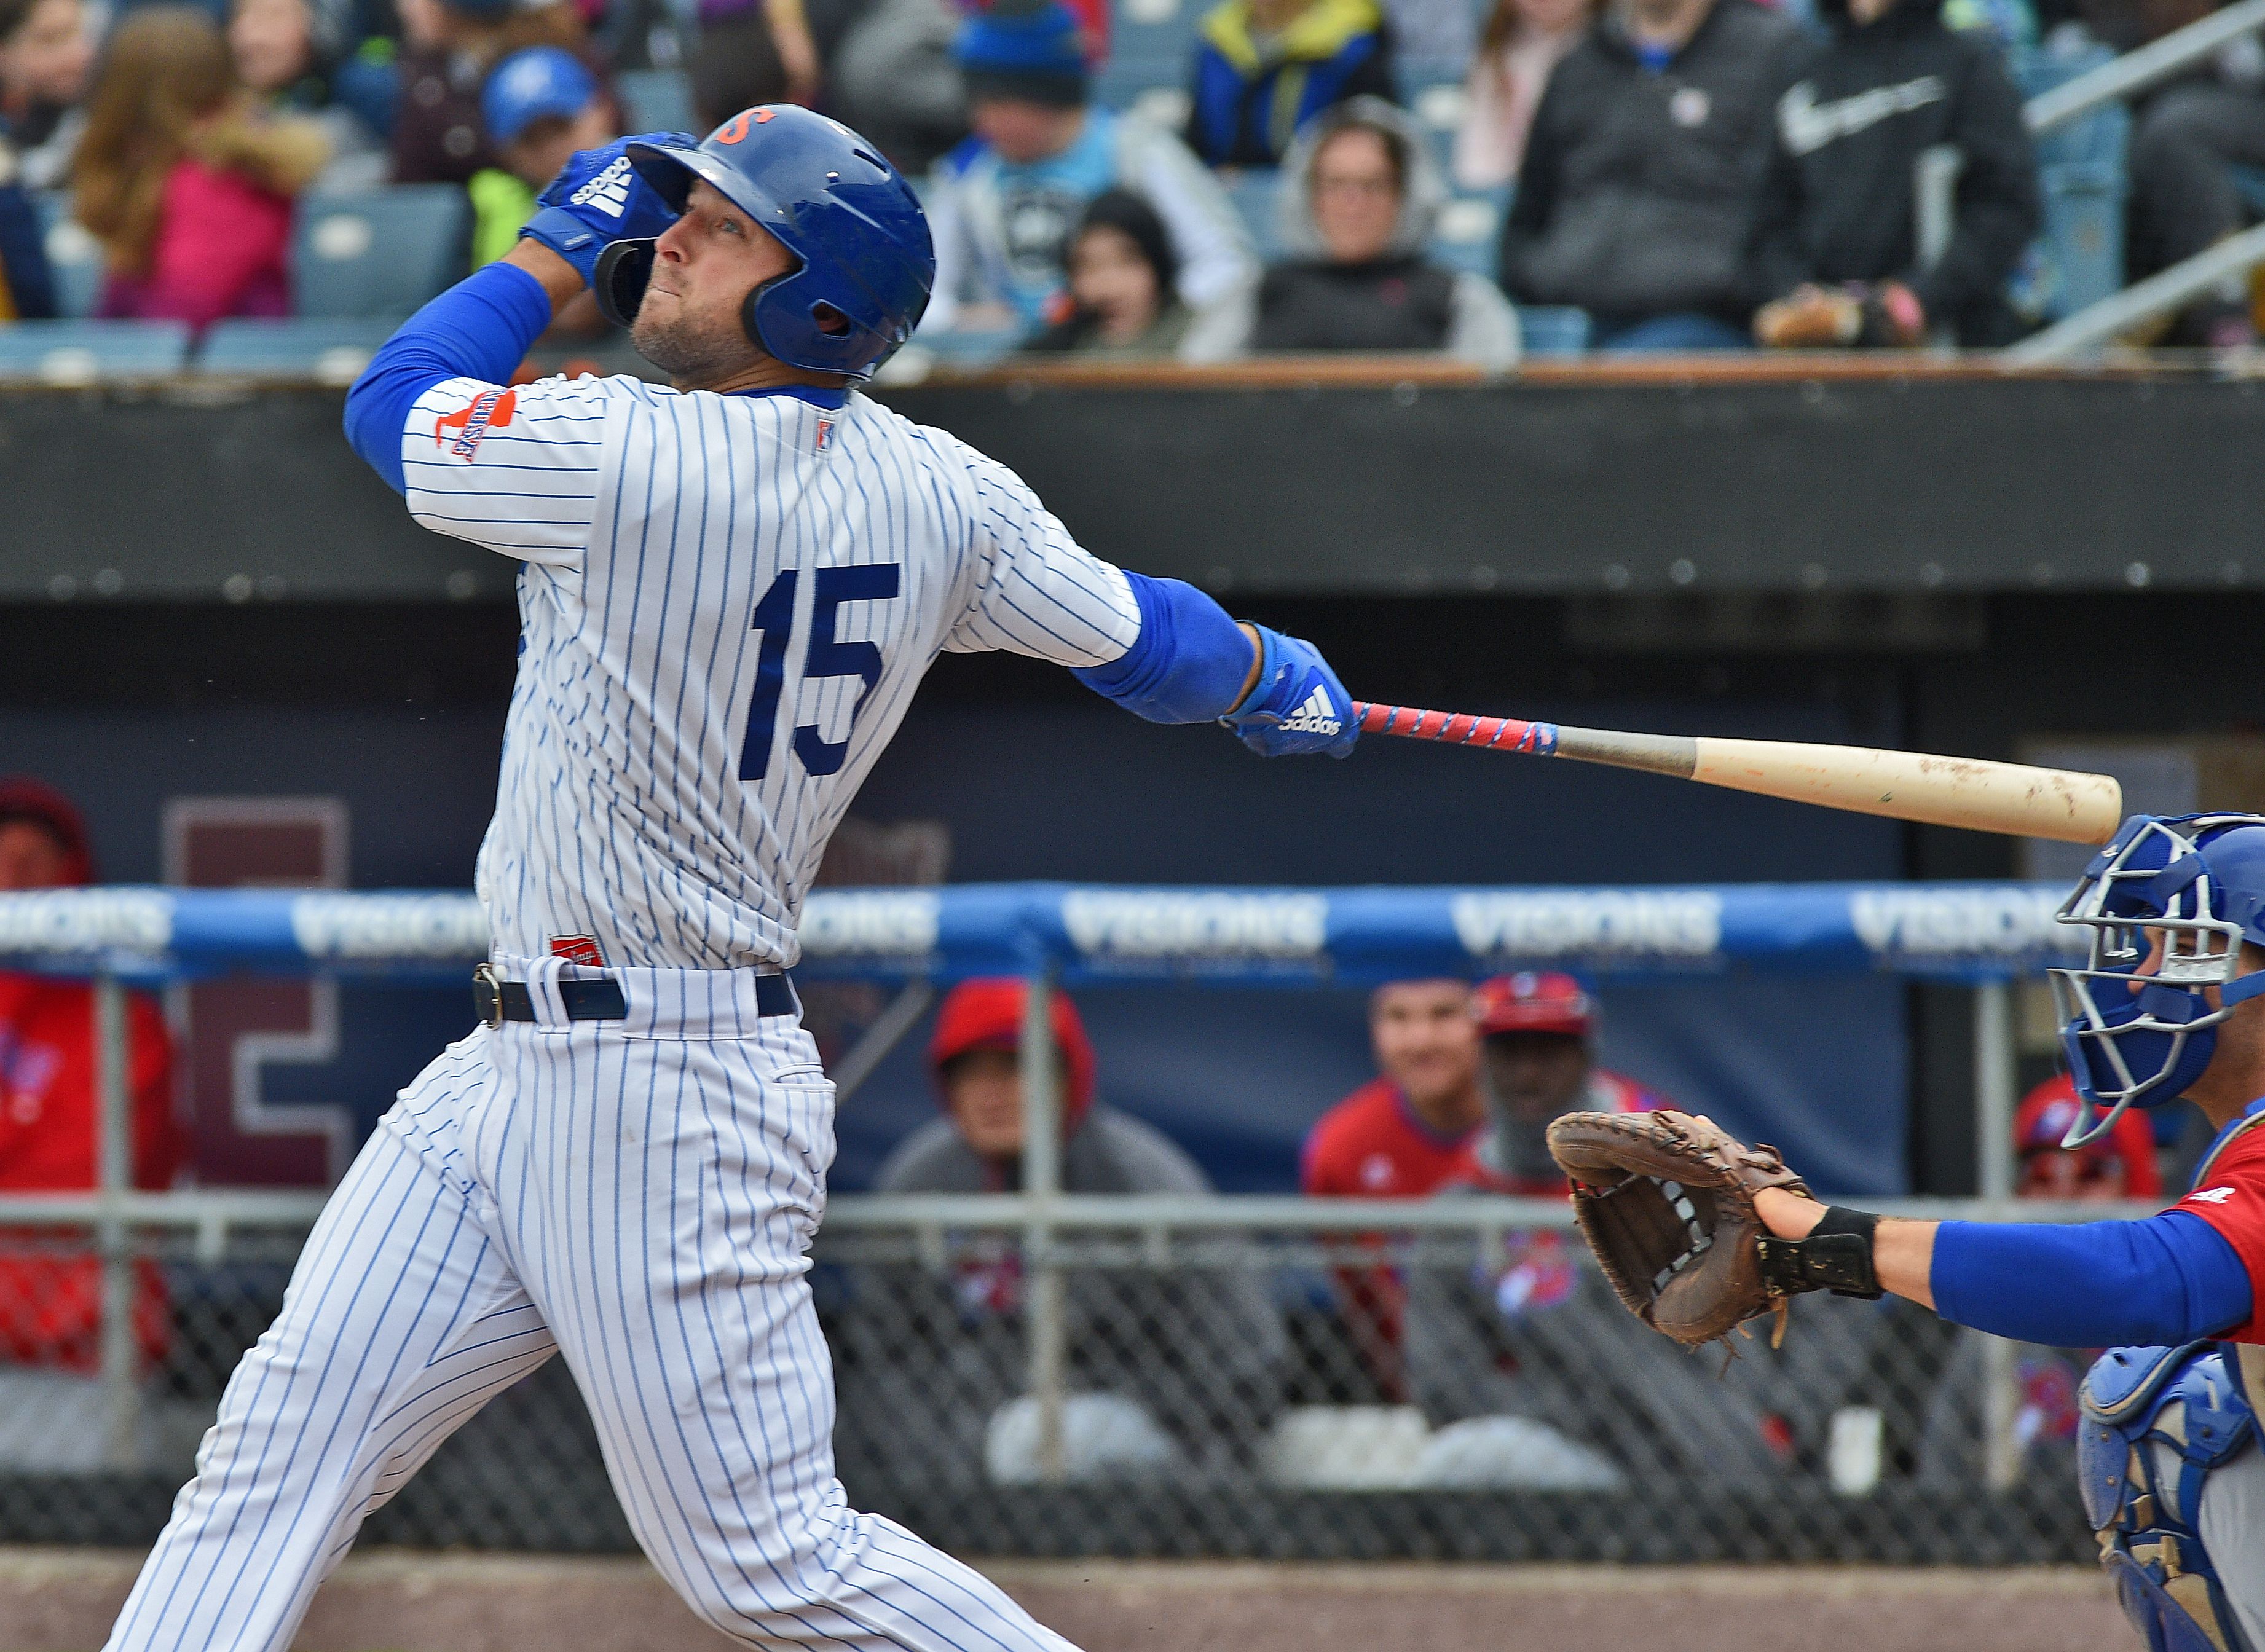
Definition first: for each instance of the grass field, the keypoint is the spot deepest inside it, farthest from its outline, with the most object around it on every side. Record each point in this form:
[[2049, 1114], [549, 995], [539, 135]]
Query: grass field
[[58, 1600]]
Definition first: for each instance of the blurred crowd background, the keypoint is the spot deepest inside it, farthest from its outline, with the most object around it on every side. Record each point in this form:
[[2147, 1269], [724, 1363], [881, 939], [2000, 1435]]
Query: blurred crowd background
[[1168, 179]]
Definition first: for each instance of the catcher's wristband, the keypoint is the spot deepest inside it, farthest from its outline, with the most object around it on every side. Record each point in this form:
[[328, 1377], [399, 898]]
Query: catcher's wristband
[[1837, 1257]]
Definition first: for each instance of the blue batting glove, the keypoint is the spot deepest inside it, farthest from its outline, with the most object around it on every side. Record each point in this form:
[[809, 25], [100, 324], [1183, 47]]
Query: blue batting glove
[[1297, 705], [598, 197]]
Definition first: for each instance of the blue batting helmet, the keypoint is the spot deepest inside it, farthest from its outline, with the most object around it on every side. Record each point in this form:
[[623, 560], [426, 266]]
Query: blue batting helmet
[[2167, 905], [866, 263]]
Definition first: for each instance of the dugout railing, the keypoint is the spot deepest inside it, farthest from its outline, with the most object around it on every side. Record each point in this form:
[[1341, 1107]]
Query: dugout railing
[[1039, 1372]]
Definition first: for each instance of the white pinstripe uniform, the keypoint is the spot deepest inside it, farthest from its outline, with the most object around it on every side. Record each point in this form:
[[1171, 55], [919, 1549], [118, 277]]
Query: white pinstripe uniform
[[727, 603]]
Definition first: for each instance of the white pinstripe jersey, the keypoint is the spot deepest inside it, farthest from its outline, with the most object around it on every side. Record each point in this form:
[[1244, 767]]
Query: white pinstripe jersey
[[726, 604]]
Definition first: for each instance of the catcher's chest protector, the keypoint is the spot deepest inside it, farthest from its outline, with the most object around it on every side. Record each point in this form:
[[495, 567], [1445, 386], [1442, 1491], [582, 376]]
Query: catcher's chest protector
[[2156, 1422]]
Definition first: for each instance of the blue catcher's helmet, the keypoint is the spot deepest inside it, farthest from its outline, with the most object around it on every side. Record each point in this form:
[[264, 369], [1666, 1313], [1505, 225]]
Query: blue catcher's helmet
[[2197, 881], [848, 217]]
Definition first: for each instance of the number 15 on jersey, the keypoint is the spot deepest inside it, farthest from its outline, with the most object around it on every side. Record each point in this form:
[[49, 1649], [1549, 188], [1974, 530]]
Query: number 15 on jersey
[[821, 656]]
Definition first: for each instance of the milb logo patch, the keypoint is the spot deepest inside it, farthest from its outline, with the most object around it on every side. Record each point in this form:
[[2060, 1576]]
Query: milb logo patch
[[490, 410]]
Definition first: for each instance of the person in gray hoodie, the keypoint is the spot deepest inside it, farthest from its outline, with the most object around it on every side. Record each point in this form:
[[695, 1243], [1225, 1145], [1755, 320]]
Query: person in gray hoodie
[[1360, 196]]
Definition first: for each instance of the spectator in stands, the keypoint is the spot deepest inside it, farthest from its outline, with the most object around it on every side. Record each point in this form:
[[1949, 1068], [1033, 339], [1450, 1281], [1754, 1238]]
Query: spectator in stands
[[448, 48], [286, 53], [1836, 242], [47, 52], [1523, 42], [1399, 1136], [1006, 201], [51, 1297], [539, 106], [896, 80], [1170, 1368], [1362, 196], [2120, 1165], [752, 52], [1636, 196], [2189, 144], [1120, 300], [186, 184], [1538, 1062], [1265, 68]]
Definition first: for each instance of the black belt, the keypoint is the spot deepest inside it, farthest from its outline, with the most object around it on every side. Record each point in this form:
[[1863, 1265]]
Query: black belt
[[496, 1001]]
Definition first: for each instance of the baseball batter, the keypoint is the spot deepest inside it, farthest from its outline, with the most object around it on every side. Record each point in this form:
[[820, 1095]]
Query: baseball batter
[[729, 592], [2169, 1002]]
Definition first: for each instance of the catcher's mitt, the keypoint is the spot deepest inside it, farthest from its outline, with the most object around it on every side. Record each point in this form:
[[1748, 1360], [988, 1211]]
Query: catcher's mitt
[[1667, 1203]]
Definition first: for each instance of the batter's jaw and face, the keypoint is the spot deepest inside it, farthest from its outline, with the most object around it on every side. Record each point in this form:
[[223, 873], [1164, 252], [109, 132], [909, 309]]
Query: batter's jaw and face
[[1427, 1043], [689, 323], [983, 1092]]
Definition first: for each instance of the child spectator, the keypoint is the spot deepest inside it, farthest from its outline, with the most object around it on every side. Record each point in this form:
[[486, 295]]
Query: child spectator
[[1836, 242], [1006, 201], [1362, 195], [448, 49], [45, 53], [1522, 43], [187, 186], [1636, 198], [286, 52], [1120, 296], [51, 1301], [1264, 68], [539, 107]]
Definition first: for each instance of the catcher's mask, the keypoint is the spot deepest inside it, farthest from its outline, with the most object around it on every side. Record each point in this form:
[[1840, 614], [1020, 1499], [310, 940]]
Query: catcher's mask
[[2193, 888]]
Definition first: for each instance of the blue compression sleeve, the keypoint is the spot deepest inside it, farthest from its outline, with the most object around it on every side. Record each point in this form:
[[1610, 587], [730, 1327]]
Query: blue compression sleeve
[[478, 329], [2171, 1278], [1189, 663]]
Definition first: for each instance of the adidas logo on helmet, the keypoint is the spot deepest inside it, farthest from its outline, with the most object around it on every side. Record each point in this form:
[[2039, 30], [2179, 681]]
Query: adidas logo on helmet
[[609, 191], [1315, 716]]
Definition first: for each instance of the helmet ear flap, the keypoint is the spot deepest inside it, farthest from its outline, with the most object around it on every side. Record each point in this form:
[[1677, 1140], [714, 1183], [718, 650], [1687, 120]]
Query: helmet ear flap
[[619, 280]]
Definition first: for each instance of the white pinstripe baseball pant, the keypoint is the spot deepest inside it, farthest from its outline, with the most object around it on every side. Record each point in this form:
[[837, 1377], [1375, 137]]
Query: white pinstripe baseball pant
[[638, 1195]]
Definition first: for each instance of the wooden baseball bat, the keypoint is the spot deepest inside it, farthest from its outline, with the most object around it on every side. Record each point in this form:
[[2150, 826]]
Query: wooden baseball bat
[[1954, 791]]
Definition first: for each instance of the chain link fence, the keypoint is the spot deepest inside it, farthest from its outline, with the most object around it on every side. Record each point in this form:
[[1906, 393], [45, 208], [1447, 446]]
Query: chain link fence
[[1468, 1390]]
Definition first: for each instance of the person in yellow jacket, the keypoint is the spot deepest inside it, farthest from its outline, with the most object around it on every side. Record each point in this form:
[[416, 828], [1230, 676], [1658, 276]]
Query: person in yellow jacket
[[1265, 68]]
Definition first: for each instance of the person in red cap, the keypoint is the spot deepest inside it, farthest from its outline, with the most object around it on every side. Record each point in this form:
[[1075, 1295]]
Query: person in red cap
[[51, 1302], [1168, 1368], [1538, 1062], [2120, 1165]]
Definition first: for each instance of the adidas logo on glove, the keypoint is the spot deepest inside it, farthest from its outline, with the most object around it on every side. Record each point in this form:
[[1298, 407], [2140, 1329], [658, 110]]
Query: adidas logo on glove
[[609, 191], [1315, 716]]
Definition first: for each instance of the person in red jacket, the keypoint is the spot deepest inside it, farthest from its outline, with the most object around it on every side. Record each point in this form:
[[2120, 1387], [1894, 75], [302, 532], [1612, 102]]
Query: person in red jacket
[[1398, 1137], [51, 1298], [2120, 1165]]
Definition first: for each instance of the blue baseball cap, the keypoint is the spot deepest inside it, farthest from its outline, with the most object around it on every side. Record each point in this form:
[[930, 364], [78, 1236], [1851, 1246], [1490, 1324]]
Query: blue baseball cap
[[530, 85], [1031, 51]]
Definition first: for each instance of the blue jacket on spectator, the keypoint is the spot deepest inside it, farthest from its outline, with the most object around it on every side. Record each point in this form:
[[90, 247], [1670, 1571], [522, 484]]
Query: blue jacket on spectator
[[27, 286], [1256, 86]]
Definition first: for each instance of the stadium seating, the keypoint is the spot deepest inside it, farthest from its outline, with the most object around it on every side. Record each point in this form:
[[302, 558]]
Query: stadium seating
[[657, 100], [90, 352], [330, 350], [379, 251], [73, 253], [2078, 260]]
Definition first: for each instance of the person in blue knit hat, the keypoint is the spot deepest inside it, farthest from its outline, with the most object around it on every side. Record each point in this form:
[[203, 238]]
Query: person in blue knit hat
[[1009, 197]]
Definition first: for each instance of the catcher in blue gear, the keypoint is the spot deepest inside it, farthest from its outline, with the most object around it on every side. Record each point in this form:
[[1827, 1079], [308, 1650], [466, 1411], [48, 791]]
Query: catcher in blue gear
[[2169, 1002]]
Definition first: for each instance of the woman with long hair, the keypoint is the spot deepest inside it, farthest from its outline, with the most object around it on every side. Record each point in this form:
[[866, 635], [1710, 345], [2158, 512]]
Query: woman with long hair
[[188, 189], [1521, 43]]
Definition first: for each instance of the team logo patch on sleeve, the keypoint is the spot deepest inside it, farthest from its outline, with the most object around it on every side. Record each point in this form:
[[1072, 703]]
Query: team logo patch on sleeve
[[490, 410]]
